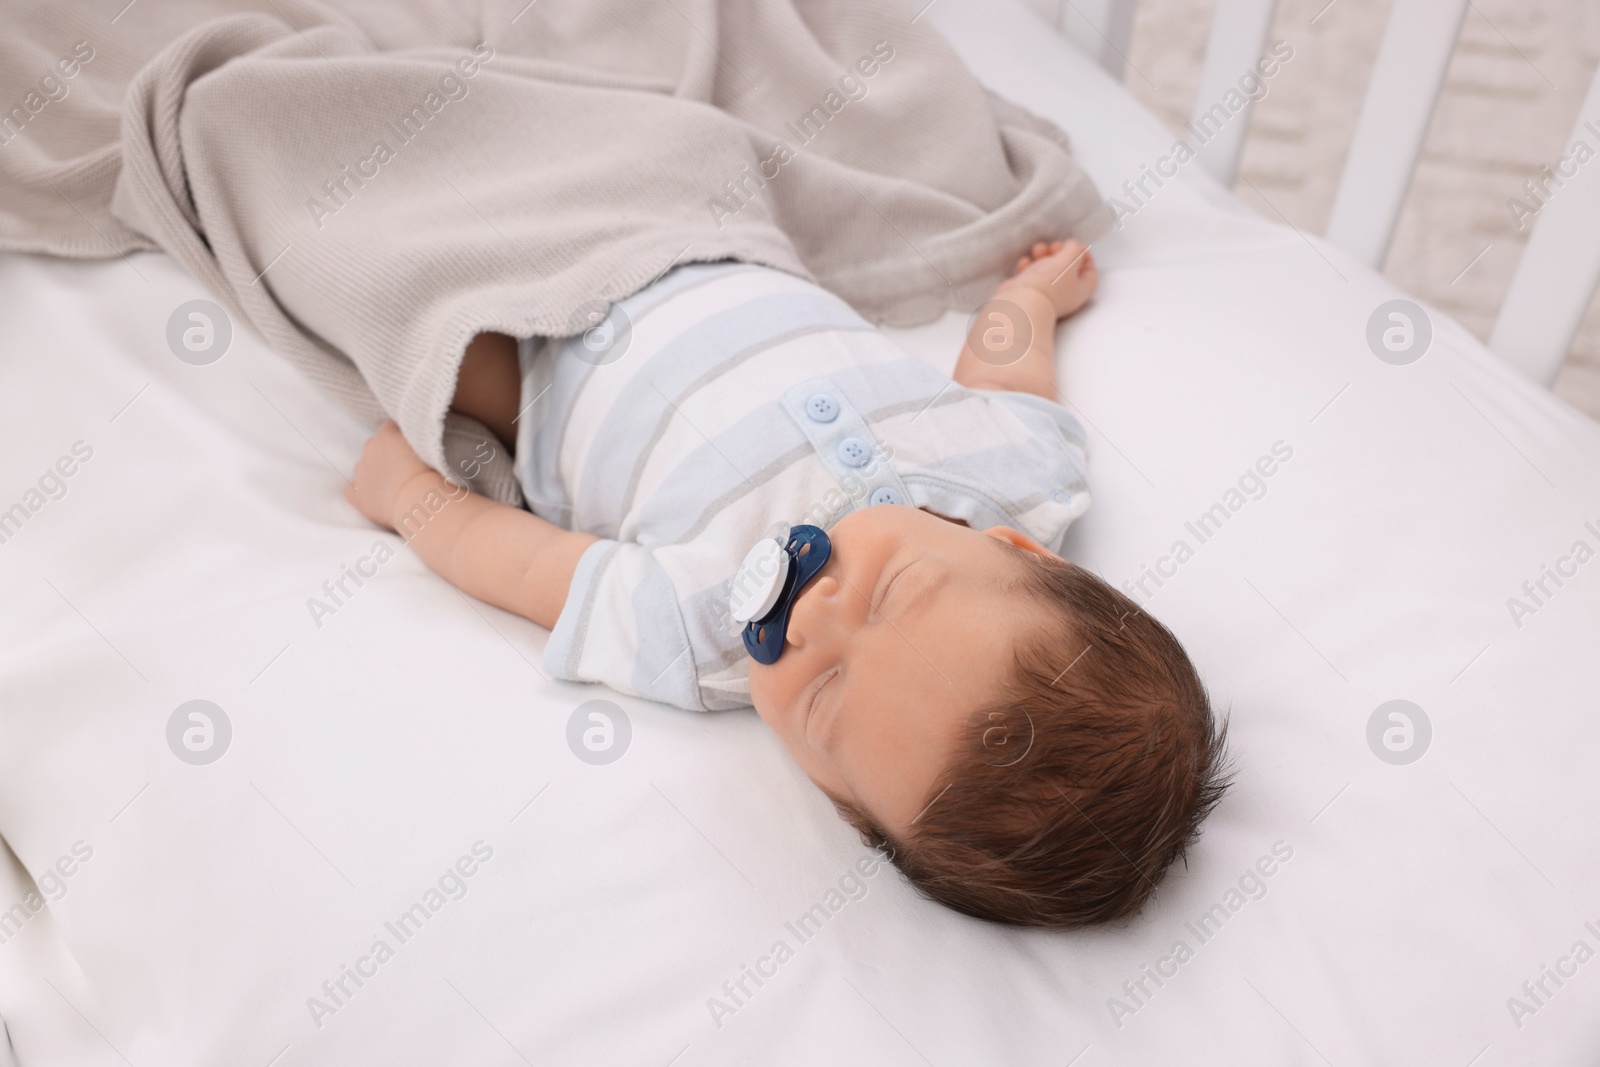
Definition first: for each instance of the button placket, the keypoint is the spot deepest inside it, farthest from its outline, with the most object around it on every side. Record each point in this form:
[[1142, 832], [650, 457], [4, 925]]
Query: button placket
[[844, 443]]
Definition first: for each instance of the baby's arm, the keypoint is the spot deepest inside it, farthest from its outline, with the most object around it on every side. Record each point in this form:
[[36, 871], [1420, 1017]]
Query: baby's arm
[[1051, 282], [506, 556]]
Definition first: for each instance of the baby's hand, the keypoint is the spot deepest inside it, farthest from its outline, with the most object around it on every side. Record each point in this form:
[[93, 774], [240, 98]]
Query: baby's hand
[[1063, 271], [387, 463]]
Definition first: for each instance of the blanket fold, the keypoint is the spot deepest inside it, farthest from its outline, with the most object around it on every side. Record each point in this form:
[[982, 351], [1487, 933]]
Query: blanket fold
[[369, 184]]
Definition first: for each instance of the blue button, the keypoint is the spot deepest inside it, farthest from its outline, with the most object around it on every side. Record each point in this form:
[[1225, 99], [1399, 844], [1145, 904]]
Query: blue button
[[822, 408], [853, 452], [884, 494], [1061, 496]]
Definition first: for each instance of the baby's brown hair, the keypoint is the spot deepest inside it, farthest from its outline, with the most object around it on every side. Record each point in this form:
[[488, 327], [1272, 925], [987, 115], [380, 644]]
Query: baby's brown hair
[[1072, 793]]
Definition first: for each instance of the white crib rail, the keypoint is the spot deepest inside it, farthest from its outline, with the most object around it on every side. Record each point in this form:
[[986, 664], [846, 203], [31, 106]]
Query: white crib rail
[[1388, 138], [1560, 269], [1101, 29], [1238, 38]]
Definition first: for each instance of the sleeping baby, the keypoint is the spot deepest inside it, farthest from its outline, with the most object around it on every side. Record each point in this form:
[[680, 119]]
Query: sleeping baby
[[737, 492]]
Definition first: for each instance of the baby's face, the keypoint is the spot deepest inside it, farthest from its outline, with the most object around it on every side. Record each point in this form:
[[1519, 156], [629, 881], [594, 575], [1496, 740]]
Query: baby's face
[[906, 631]]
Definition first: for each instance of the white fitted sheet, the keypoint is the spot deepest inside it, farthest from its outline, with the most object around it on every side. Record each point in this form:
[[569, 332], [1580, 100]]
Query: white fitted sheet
[[371, 753]]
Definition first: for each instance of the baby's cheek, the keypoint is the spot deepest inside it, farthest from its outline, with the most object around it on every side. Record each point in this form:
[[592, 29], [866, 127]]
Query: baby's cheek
[[758, 684], [767, 692]]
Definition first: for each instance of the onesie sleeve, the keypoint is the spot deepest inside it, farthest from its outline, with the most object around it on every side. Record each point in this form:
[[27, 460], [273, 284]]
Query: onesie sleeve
[[622, 626], [1059, 452], [994, 458], [1039, 413]]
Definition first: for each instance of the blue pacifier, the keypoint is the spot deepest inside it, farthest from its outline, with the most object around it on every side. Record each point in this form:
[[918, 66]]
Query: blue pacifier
[[768, 583]]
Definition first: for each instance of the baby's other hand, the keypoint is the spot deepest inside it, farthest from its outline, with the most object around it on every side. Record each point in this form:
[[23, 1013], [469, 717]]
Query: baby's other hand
[[1063, 271], [387, 463]]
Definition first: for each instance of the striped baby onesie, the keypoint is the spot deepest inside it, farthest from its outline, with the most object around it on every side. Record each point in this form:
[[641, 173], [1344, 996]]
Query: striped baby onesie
[[726, 402]]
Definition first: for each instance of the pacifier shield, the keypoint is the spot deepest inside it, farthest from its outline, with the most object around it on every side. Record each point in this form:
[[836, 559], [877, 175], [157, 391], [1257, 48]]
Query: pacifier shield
[[769, 582]]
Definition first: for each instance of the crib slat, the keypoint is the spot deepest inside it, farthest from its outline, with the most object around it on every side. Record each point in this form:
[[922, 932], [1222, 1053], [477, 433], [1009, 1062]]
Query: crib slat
[[1049, 10], [1238, 37], [1399, 103], [1101, 29], [1560, 267]]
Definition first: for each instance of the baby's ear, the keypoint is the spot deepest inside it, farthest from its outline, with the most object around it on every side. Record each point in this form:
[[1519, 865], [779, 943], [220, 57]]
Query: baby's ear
[[1018, 539]]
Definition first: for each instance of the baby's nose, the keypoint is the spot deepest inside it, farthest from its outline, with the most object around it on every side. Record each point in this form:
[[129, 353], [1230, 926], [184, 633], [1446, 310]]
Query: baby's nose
[[816, 621]]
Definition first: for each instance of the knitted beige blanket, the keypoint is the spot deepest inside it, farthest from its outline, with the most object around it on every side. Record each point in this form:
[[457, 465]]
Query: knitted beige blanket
[[369, 183]]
